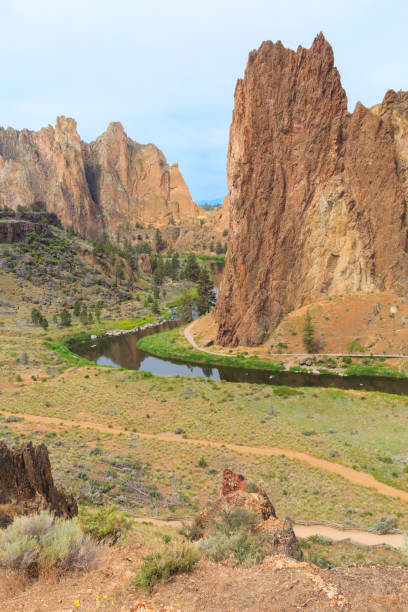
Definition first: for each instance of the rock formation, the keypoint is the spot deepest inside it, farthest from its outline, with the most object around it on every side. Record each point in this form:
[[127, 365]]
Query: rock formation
[[106, 186], [16, 231], [237, 492], [317, 196], [26, 483]]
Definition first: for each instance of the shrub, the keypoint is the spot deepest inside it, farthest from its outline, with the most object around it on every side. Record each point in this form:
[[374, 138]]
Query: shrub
[[309, 341], [251, 487], [192, 531], [202, 462], [384, 459], [240, 547], [284, 391], [163, 565], [235, 520], [385, 525], [234, 538], [104, 525], [319, 560], [34, 542]]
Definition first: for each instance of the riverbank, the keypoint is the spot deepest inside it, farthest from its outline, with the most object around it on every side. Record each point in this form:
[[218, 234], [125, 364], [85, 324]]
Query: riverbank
[[180, 345]]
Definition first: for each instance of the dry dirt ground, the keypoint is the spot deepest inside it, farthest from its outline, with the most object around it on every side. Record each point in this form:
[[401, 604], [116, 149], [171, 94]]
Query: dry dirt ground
[[278, 584], [376, 322]]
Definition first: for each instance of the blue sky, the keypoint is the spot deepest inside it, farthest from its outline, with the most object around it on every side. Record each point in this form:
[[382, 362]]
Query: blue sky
[[167, 70]]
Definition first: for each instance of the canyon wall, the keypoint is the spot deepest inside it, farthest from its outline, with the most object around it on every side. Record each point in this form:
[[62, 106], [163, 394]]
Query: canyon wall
[[106, 186], [317, 196]]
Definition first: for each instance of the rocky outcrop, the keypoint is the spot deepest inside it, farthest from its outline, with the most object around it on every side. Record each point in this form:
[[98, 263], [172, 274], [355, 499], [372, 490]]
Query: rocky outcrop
[[26, 483], [16, 231], [317, 196], [234, 494], [238, 492], [108, 186], [144, 263]]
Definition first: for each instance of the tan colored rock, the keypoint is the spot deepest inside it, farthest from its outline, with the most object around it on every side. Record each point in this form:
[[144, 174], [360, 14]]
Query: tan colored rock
[[238, 492], [144, 262], [317, 196], [106, 186]]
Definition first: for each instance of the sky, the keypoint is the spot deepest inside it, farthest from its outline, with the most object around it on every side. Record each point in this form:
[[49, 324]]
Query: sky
[[167, 70]]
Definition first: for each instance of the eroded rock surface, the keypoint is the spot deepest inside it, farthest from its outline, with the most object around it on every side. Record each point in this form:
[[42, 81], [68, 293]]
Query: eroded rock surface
[[317, 196], [239, 492], [106, 186], [26, 483]]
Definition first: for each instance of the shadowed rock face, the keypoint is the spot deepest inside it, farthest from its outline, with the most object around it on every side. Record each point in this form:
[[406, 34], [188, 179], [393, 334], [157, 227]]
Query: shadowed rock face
[[317, 196], [106, 186], [26, 483]]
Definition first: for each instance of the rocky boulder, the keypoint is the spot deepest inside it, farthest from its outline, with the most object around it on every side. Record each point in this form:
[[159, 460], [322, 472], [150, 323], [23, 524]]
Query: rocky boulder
[[26, 484], [239, 492]]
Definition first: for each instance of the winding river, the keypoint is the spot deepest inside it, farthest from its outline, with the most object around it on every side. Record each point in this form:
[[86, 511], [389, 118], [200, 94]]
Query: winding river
[[122, 351]]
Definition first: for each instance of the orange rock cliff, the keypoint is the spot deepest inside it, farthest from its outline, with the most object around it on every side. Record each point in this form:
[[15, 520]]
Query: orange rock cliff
[[317, 197], [106, 186]]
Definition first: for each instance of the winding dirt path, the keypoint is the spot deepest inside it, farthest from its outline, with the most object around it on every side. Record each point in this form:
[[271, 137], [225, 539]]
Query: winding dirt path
[[358, 536], [354, 476]]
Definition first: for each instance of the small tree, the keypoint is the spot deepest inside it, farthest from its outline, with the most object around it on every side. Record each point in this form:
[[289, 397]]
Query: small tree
[[98, 311], [84, 315], [77, 308], [309, 340], [205, 290], [192, 269], [175, 266], [43, 322], [155, 307], [159, 243], [159, 272], [65, 318], [185, 308]]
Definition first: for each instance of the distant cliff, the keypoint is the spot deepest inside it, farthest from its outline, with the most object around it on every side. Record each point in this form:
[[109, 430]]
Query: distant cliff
[[106, 186], [317, 196]]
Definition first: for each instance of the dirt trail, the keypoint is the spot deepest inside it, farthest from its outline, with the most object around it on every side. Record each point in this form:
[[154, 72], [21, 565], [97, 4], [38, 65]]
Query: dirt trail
[[354, 476], [358, 536], [189, 337]]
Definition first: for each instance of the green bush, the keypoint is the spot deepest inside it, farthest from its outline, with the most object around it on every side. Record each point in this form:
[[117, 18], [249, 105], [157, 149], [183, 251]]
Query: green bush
[[35, 542], [385, 525], [105, 525], [240, 547], [235, 520], [284, 391], [161, 566], [234, 538]]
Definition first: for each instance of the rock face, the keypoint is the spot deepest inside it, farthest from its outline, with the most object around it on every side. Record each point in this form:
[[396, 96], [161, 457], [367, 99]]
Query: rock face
[[106, 186], [317, 196], [26, 483], [236, 492], [16, 231]]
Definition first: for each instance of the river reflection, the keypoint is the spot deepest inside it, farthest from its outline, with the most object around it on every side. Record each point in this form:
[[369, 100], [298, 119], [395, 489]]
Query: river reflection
[[121, 351]]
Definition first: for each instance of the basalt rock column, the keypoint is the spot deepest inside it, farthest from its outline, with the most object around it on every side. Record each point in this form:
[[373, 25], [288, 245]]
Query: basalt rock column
[[317, 196]]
